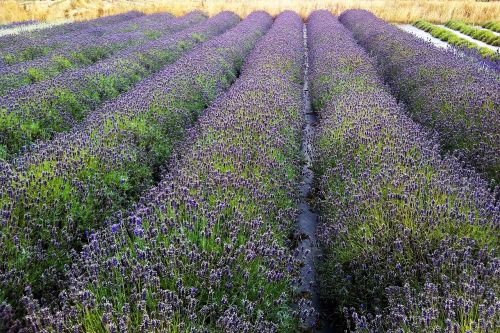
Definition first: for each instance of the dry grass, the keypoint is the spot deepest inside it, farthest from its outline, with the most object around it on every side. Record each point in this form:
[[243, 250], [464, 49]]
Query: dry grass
[[402, 11]]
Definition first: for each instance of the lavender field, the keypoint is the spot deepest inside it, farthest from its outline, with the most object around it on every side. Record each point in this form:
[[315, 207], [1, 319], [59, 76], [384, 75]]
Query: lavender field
[[164, 173]]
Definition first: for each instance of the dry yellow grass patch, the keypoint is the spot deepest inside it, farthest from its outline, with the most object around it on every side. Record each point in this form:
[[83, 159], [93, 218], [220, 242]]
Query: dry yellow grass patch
[[391, 10]]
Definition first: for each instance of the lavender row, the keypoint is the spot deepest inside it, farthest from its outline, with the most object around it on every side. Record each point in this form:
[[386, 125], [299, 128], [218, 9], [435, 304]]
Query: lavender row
[[68, 28], [15, 53], [81, 25], [30, 45], [207, 249], [38, 111], [18, 24], [410, 239], [447, 94], [86, 50], [55, 196]]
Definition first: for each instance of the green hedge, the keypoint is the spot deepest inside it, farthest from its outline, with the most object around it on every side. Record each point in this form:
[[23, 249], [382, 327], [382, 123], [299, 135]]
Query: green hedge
[[495, 26], [453, 39], [480, 34]]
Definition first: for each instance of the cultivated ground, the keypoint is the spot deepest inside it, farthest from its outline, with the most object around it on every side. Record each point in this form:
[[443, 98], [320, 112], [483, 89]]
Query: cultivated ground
[[264, 173]]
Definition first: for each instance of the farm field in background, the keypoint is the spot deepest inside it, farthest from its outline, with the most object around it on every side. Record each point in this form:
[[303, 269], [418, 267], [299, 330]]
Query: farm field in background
[[401, 11], [250, 168]]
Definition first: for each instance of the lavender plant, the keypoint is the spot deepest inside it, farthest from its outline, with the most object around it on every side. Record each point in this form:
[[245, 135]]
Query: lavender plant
[[17, 24], [87, 49], [492, 25], [207, 250], [410, 238], [34, 44], [475, 56], [454, 97], [483, 35], [38, 111], [55, 196]]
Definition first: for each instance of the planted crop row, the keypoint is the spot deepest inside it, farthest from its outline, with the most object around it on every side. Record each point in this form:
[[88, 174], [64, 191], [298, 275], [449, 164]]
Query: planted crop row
[[31, 49], [55, 196], [410, 239], [33, 44], [448, 94], [495, 26], [207, 250], [456, 40], [80, 40], [18, 24], [90, 49], [21, 29], [476, 33], [38, 111]]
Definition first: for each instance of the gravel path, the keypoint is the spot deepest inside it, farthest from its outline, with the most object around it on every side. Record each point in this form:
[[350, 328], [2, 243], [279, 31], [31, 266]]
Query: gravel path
[[422, 34]]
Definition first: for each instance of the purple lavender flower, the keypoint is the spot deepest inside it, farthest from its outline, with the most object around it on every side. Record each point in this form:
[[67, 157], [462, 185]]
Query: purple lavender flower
[[33, 44], [454, 97], [39, 111], [239, 165], [389, 199], [80, 186], [115, 227], [85, 49]]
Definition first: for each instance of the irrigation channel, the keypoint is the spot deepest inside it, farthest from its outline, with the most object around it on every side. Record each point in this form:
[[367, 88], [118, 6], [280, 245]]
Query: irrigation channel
[[308, 245]]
